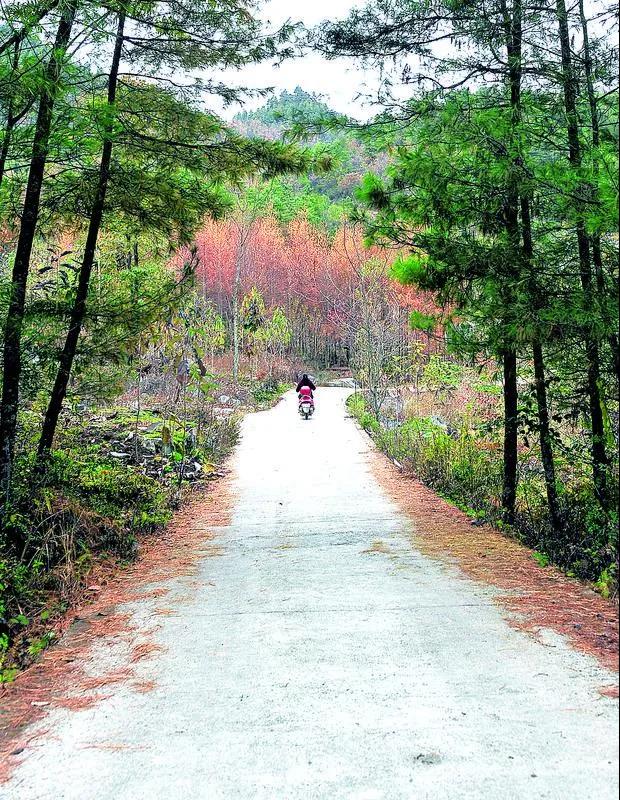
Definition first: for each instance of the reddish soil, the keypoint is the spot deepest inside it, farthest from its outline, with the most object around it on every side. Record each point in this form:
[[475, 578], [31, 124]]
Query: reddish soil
[[540, 597], [59, 678]]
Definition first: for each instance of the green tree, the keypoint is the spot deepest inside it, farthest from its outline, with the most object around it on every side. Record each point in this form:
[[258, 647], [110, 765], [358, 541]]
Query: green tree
[[485, 206], [117, 164], [9, 403]]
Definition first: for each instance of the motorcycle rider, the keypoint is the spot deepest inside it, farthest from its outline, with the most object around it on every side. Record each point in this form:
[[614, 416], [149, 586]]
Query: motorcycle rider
[[305, 389], [305, 381]]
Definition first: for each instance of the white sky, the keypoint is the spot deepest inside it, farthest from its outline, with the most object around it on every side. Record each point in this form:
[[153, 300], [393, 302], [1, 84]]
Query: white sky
[[339, 81]]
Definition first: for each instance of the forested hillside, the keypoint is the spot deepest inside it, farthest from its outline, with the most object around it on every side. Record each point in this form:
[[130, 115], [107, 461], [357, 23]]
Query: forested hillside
[[163, 271]]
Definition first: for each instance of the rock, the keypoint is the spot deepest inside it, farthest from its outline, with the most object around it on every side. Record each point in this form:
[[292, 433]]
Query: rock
[[345, 383], [222, 412], [445, 426], [224, 399], [117, 454]]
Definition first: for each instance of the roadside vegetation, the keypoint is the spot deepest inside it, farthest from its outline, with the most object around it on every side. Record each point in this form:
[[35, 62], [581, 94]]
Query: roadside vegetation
[[500, 201], [163, 271], [453, 444]]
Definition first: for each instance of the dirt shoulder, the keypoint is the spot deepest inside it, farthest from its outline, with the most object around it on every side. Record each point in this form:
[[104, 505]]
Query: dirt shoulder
[[59, 678], [536, 597]]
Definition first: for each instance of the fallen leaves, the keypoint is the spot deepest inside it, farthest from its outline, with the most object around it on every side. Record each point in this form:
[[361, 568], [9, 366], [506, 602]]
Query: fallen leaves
[[538, 597], [60, 679], [145, 650]]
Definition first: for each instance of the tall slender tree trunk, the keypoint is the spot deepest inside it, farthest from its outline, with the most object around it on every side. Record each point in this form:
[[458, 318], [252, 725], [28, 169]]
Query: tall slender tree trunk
[[18, 37], [511, 430], [599, 453], [513, 29], [540, 384], [512, 33], [544, 433], [6, 142], [9, 403], [245, 228], [597, 254], [4, 150], [78, 312], [11, 118]]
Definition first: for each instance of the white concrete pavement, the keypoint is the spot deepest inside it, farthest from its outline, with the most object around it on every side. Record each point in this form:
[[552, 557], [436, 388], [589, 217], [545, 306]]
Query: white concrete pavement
[[320, 657]]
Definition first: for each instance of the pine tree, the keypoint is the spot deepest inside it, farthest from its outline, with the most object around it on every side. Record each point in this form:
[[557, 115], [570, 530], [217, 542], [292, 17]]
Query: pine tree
[[9, 403]]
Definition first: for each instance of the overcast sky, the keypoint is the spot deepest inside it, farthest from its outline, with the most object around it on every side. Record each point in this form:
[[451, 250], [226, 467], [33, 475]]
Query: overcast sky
[[338, 81]]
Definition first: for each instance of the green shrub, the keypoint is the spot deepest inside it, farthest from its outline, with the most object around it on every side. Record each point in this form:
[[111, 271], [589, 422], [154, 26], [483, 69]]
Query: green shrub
[[113, 491], [219, 438], [269, 391], [87, 506], [367, 420]]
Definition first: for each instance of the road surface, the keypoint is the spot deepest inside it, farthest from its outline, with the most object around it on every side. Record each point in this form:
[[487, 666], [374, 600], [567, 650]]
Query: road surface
[[320, 657]]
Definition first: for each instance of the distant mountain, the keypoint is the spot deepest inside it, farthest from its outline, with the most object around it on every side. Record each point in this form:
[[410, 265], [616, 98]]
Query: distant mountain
[[270, 120], [351, 156]]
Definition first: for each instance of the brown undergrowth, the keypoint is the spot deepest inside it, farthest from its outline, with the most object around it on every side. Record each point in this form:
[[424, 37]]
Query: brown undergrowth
[[60, 679], [537, 597]]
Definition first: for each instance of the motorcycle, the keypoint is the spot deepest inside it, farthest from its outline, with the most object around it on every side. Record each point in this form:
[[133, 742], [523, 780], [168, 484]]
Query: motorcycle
[[306, 403]]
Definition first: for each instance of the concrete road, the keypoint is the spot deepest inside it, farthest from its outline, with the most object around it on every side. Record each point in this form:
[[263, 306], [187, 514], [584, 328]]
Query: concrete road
[[321, 657]]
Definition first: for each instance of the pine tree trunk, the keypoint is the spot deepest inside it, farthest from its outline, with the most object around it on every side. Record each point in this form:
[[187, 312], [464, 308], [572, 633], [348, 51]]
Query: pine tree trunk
[[597, 255], [598, 449], [11, 118], [509, 492], [6, 143], [78, 312], [513, 27], [542, 403], [512, 32], [19, 36], [9, 403], [544, 433]]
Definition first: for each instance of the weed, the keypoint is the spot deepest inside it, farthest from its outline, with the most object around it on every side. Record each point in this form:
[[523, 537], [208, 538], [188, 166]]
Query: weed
[[542, 559], [268, 392]]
